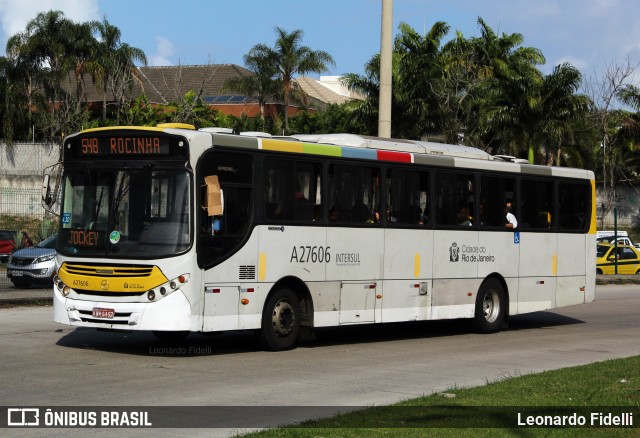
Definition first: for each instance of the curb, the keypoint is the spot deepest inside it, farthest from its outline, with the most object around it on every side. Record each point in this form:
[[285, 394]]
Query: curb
[[602, 280], [10, 296], [15, 302]]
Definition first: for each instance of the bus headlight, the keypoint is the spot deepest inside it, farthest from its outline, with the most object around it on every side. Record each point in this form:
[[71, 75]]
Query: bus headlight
[[151, 295], [65, 290]]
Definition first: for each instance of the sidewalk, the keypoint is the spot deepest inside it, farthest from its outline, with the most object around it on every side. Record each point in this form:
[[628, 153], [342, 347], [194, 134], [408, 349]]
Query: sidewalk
[[10, 295], [13, 296], [617, 279]]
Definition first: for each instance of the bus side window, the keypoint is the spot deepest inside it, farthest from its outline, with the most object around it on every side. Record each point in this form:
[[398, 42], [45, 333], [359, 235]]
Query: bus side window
[[292, 190], [496, 192], [573, 202], [455, 199], [354, 193], [407, 195], [536, 201]]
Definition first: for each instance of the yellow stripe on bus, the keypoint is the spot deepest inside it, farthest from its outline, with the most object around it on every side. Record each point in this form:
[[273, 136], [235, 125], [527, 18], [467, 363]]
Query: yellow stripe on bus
[[262, 266], [416, 266], [592, 226], [281, 145], [93, 280]]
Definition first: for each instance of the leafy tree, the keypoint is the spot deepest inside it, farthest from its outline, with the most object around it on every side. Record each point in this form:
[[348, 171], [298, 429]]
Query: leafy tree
[[14, 111], [192, 110], [605, 90]]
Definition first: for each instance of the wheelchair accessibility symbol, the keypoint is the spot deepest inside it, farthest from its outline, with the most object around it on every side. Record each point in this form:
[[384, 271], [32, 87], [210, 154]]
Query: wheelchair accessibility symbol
[[516, 237]]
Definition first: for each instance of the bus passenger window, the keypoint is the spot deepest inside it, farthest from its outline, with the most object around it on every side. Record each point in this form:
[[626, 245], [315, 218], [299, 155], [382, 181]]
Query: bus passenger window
[[407, 197], [292, 190], [354, 193], [497, 194], [574, 206], [455, 199], [536, 202]]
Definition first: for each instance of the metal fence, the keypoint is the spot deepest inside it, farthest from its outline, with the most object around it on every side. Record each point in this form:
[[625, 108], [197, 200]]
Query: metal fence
[[21, 210]]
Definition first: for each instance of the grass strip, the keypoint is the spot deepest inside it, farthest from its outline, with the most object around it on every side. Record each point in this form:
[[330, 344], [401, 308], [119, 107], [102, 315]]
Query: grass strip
[[491, 410]]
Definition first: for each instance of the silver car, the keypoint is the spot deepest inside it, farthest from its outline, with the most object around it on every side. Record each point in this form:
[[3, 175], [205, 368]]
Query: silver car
[[33, 265]]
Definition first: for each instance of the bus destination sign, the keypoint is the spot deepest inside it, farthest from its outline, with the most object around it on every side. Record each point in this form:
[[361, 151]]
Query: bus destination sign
[[142, 145]]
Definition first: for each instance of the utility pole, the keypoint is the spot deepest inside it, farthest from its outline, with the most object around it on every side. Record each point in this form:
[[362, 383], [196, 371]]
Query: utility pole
[[386, 39]]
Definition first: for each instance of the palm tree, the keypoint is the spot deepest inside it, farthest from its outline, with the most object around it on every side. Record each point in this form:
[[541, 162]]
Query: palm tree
[[416, 73], [262, 83], [561, 107], [14, 114], [365, 112], [509, 90], [418, 79], [84, 47], [19, 72], [115, 61], [42, 53], [290, 58]]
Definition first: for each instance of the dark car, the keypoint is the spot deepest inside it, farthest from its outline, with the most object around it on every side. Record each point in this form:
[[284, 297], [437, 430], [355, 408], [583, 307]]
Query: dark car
[[33, 265], [7, 244]]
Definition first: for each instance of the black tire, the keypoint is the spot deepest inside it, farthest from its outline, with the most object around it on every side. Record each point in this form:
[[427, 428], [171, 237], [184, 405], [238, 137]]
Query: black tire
[[281, 321], [490, 307], [170, 337], [598, 271]]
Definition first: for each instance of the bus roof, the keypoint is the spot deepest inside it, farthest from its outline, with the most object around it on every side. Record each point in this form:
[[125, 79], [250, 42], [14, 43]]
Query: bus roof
[[392, 144], [364, 147]]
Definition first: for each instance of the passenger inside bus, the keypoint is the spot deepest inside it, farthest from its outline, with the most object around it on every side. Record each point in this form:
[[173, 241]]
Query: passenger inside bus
[[512, 222], [463, 217]]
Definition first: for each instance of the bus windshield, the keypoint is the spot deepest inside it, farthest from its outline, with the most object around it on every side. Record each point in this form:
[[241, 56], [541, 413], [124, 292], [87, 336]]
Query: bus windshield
[[139, 212]]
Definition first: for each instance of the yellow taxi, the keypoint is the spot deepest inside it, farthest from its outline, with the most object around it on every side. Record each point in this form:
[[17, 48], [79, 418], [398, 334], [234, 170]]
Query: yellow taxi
[[628, 259]]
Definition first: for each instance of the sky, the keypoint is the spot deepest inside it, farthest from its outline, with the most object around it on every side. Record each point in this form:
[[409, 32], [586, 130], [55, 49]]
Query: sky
[[589, 34]]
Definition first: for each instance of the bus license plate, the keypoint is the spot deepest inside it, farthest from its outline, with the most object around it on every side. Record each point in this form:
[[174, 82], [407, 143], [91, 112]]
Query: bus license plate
[[103, 313]]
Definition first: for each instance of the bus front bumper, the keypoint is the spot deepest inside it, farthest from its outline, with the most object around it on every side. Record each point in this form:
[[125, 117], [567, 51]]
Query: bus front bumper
[[171, 313]]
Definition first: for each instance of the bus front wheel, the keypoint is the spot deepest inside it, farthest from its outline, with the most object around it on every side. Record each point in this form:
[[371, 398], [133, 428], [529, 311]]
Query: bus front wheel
[[281, 321], [490, 306]]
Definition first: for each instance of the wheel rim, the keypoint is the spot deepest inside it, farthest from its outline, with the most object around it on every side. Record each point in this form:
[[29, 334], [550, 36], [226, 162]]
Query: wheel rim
[[491, 305], [283, 318]]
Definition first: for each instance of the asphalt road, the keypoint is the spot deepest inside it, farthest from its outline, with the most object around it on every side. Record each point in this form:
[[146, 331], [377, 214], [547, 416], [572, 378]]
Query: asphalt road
[[43, 363]]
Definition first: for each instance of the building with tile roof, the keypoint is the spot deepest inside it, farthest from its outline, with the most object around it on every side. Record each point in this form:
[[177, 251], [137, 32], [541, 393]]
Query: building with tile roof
[[168, 84]]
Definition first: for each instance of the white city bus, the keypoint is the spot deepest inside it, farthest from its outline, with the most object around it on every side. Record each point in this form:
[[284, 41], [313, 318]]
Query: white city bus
[[176, 230]]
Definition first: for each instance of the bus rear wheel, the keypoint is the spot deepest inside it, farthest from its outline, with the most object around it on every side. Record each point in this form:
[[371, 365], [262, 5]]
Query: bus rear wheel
[[281, 321], [490, 306]]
